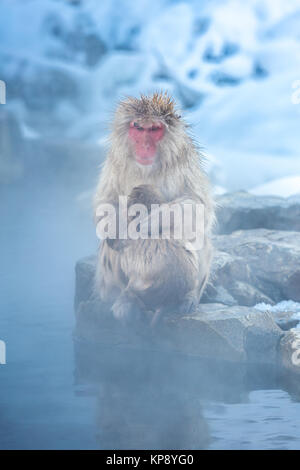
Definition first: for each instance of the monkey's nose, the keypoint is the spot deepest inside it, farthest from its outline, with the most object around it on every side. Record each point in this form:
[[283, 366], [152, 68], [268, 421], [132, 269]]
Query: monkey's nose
[[147, 142]]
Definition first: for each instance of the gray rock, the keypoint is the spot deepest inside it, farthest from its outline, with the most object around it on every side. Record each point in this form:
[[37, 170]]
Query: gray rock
[[241, 210], [214, 331], [255, 266], [84, 272]]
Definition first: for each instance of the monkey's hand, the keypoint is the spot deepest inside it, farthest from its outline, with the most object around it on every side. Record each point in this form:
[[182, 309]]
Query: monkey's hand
[[145, 194]]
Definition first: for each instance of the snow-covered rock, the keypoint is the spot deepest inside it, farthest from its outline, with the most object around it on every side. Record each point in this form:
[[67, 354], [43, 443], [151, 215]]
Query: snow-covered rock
[[241, 210], [285, 313]]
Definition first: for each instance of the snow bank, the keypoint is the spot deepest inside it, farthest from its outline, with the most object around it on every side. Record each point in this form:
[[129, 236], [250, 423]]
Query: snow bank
[[283, 187]]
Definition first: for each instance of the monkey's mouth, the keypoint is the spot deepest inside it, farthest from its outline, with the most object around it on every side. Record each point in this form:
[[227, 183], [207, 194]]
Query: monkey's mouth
[[145, 159]]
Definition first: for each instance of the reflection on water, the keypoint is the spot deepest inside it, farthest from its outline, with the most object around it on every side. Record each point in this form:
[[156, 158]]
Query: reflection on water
[[144, 400], [152, 400], [56, 392]]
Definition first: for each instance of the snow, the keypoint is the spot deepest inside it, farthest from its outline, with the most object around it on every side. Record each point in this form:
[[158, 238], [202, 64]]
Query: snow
[[232, 65], [283, 187], [169, 35], [283, 306], [219, 190]]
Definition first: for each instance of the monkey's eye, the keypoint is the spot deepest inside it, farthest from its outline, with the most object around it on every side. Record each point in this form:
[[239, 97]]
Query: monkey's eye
[[138, 127], [155, 128]]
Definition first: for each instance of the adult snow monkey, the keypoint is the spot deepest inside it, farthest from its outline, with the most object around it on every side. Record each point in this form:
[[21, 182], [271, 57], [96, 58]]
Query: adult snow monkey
[[152, 159]]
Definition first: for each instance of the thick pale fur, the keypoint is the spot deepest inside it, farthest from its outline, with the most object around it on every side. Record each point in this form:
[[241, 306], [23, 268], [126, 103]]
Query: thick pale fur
[[178, 175]]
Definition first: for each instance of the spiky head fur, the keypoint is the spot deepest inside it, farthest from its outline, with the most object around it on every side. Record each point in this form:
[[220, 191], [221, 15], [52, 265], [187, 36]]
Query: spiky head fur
[[159, 106]]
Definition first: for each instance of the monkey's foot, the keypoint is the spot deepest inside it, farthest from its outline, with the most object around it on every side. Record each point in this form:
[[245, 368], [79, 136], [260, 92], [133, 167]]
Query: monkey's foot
[[126, 309]]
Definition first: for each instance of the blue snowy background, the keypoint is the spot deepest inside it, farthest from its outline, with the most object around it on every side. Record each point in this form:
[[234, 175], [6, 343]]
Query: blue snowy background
[[230, 64], [234, 68]]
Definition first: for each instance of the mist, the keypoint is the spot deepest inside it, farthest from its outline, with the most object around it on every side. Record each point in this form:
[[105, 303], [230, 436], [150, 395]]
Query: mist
[[65, 65]]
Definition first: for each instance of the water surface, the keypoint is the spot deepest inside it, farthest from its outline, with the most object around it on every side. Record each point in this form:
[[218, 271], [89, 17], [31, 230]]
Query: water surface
[[54, 395]]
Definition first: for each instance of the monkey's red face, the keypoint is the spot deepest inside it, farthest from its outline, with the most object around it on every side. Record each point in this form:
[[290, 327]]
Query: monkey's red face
[[145, 137]]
